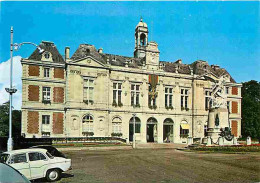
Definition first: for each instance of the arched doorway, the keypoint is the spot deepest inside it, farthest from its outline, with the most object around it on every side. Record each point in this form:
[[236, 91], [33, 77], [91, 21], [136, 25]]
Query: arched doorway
[[131, 127], [151, 130], [168, 130]]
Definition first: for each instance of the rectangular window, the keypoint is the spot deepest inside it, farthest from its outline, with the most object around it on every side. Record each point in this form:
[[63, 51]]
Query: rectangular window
[[227, 90], [117, 93], [45, 119], [46, 93], [116, 128], [135, 92], [168, 96], [184, 98], [46, 72], [208, 101], [88, 91]]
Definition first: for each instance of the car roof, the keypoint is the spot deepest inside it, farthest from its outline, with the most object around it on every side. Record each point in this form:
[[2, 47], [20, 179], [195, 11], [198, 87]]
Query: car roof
[[26, 150]]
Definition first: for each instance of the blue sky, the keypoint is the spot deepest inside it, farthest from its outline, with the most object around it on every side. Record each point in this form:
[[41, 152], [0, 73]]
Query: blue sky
[[222, 33]]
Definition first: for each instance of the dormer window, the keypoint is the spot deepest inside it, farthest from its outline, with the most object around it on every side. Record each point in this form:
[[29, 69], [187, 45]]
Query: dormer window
[[47, 55]]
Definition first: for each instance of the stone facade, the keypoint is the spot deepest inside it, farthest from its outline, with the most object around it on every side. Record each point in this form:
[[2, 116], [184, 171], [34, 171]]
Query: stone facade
[[94, 93]]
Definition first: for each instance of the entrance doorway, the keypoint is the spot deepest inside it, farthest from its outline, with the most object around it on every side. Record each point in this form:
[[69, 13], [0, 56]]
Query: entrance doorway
[[151, 130], [168, 130], [131, 127]]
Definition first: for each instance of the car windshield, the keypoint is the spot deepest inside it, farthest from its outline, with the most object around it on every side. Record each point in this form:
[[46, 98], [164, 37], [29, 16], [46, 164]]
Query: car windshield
[[3, 157]]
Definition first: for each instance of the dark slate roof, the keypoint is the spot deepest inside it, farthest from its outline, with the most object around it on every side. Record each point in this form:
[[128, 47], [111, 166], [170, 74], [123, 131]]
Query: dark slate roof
[[199, 67], [85, 50], [50, 47]]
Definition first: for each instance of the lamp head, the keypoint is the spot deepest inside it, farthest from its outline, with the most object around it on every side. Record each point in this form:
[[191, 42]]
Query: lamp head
[[40, 50]]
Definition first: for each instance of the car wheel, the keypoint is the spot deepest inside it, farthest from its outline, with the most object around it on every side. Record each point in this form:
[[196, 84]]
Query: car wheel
[[53, 175]]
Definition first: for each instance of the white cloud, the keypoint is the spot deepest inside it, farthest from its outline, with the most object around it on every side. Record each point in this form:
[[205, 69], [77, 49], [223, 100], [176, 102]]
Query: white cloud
[[17, 82]]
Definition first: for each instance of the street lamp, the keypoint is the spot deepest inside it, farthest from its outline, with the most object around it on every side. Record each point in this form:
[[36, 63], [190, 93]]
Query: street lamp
[[134, 115], [12, 90]]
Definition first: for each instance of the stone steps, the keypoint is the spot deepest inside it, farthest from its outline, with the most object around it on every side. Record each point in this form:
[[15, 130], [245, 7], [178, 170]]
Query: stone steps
[[160, 146]]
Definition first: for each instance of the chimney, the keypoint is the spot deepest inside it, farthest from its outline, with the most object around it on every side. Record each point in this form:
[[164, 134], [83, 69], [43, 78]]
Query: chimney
[[67, 53], [100, 50]]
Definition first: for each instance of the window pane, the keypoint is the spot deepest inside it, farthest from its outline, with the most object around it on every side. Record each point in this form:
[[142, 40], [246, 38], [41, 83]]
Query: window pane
[[19, 158], [137, 127], [119, 96], [119, 85], [170, 90], [114, 95], [170, 100], [132, 98], [132, 87], [166, 100], [114, 85], [91, 83], [137, 98], [137, 87], [34, 156], [166, 90], [91, 94]]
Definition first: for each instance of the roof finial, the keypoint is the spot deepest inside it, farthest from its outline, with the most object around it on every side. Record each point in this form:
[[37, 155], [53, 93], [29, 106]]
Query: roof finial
[[141, 19]]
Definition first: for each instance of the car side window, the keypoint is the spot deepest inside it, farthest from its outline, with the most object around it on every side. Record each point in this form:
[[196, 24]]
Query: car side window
[[42, 156], [18, 158], [35, 156]]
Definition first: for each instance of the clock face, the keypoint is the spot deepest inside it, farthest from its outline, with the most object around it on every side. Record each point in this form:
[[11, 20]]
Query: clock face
[[153, 58]]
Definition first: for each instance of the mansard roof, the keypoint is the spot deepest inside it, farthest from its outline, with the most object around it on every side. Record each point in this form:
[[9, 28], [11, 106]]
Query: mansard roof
[[85, 50], [199, 67], [49, 47]]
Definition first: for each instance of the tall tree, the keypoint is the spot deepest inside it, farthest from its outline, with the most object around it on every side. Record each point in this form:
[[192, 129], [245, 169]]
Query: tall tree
[[4, 121], [251, 109]]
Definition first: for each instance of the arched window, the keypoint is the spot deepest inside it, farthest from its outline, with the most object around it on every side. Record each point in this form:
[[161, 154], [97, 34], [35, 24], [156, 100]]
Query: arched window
[[137, 124], [143, 39], [116, 125], [87, 123]]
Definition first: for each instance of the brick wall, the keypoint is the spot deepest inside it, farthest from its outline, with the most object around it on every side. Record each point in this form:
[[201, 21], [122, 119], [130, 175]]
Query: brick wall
[[234, 127], [57, 123], [33, 122], [234, 91], [34, 70], [58, 94], [234, 107], [33, 93], [59, 73]]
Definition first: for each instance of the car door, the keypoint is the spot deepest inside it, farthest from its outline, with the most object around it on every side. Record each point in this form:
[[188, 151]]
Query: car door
[[38, 163], [20, 163]]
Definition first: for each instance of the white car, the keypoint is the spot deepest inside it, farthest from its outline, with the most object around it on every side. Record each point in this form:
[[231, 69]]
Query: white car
[[36, 163]]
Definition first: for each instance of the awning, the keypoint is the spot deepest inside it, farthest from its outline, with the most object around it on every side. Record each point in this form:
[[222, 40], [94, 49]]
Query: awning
[[185, 126]]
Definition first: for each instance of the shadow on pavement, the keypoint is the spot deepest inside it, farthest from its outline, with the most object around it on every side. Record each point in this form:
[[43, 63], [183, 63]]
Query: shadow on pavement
[[63, 176]]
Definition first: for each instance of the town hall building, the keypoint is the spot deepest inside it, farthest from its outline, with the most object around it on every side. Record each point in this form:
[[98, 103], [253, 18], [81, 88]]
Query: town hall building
[[93, 93]]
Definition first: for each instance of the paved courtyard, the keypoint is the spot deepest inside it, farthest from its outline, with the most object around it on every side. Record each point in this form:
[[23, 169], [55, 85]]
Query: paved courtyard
[[161, 165]]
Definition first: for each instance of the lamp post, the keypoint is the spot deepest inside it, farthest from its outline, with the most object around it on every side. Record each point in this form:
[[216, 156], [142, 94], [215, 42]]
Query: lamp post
[[12, 90], [134, 115]]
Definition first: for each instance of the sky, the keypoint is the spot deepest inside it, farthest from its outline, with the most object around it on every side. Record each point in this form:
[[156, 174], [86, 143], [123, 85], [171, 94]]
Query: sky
[[221, 33]]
